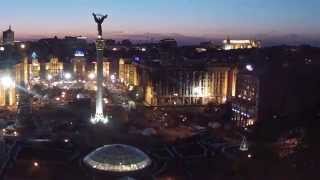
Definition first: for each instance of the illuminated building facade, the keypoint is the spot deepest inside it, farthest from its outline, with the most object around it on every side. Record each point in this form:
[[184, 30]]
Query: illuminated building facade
[[23, 71], [128, 73], [24, 98], [240, 44], [245, 103], [105, 67], [189, 86], [7, 89], [54, 68], [79, 67], [35, 68]]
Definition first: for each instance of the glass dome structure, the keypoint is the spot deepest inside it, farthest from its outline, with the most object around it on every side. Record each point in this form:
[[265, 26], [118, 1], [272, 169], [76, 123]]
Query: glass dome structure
[[117, 158]]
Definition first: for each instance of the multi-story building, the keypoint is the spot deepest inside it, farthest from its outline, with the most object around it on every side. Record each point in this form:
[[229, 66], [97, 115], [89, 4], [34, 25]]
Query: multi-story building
[[191, 85], [245, 103], [22, 71], [54, 68], [79, 65], [229, 44], [35, 68], [8, 37], [7, 88], [128, 72], [263, 93]]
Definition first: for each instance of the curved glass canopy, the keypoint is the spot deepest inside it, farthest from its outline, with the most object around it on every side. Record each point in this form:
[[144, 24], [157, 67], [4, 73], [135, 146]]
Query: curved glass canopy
[[117, 158]]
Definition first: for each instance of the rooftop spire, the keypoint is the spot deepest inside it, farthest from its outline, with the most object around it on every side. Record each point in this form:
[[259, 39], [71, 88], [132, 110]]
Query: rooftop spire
[[228, 39]]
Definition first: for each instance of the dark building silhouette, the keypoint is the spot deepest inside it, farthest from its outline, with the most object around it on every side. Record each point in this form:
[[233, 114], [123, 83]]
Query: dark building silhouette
[[8, 36]]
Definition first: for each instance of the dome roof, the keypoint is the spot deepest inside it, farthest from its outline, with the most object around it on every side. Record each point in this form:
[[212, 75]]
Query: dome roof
[[117, 158]]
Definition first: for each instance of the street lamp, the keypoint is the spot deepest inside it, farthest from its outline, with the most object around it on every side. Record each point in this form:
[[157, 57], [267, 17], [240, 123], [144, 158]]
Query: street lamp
[[1, 48]]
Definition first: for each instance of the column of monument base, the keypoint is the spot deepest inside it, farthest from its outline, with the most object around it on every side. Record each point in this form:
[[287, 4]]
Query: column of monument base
[[99, 116]]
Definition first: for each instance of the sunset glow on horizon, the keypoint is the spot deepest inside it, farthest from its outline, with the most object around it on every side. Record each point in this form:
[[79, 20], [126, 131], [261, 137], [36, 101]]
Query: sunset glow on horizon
[[205, 18]]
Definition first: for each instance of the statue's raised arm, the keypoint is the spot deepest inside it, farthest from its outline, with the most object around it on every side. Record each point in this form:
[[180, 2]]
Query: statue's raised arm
[[95, 17], [104, 17]]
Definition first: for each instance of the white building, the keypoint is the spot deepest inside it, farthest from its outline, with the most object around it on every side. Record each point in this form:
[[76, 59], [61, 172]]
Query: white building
[[229, 44]]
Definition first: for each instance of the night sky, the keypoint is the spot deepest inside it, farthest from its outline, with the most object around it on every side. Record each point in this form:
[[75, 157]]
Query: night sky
[[201, 18]]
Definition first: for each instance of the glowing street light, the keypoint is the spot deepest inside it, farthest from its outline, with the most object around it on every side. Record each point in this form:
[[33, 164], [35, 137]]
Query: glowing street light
[[49, 77], [91, 76], [22, 46], [249, 67], [7, 81], [35, 164], [1, 48], [105, 100], [67, 76]]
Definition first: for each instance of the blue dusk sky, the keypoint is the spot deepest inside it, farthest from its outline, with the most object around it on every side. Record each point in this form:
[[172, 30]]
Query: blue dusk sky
[[196, 18]]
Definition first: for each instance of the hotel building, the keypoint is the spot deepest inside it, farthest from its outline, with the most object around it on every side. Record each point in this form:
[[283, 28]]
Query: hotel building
[[190, 85]]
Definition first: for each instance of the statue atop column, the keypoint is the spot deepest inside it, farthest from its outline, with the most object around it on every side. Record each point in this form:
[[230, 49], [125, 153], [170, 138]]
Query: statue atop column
[[99, 20]]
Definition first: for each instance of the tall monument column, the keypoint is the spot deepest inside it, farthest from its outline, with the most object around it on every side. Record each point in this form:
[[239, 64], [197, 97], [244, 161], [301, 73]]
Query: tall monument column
[[99, 116]]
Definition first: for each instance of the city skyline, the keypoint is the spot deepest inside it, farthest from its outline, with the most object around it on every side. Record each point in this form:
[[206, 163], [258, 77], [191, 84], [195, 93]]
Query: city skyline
[[189, 20], [159, 89]]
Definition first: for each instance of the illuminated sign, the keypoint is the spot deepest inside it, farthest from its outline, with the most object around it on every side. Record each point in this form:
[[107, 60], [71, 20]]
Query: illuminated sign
[[79, 53], [136, 58]]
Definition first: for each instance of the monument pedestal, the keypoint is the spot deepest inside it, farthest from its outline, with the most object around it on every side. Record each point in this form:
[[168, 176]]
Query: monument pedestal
[[99, 118]]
